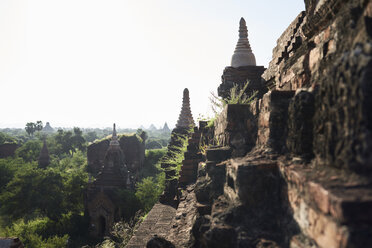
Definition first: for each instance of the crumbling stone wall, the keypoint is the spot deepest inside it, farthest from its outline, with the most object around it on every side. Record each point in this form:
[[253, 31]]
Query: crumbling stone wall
[[327, 50], [236, 127]]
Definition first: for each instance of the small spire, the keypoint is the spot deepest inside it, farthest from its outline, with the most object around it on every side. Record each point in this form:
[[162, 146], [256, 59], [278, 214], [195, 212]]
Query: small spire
[[114, 131], [243, 55], [114, 140], [185, 119], [243, 31]]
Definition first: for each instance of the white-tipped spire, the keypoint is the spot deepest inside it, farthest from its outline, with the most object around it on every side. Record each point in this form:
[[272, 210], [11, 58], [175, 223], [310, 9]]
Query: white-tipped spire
[[114, 140], [243, 55]]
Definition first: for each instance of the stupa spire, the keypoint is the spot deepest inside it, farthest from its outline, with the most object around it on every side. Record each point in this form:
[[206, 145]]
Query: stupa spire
[[185, 119], [243, 55], [114, 140]]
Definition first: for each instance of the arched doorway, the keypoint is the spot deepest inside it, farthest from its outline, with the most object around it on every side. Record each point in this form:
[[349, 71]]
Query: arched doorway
[[102, 226]]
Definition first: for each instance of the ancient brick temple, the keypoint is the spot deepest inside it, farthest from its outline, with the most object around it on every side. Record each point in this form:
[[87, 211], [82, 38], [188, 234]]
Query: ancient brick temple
[[185, 119], [102, 201], [44, 158], [132, 146], [243, 68], [48, 128]]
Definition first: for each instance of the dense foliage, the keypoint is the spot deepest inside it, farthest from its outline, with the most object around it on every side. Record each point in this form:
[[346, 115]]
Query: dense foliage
[[45, 207], [6, 138]]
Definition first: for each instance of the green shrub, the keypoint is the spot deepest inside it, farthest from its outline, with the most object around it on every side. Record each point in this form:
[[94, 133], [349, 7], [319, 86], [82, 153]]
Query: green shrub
[[148, 192], [153, 144], [30, 150], [237, 96], [30, 233], [6, 139], [128, 199]]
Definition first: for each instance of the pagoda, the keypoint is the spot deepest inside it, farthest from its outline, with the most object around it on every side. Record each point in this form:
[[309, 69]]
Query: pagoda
[[102, 202], [243, 68], [114, 172], [185, 119]]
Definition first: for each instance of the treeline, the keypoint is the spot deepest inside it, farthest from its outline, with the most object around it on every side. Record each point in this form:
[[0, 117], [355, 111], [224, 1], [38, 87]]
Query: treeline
[[156, 138]]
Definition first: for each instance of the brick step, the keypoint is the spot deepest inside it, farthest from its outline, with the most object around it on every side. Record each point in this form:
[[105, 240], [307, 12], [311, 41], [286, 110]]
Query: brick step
[[187, 178], [189, 166], [196, 135], [184, 180], [218, 154], [166, 165], [335, 207], [192, 155], [352, 203], [190, 161], [193, 141], [187, 172], [194, 147]]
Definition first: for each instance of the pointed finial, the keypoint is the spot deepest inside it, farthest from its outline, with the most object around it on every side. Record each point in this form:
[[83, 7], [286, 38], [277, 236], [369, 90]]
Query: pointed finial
[[114, 140], [242, 22], [243, 31], [114, 131], [185, 92]]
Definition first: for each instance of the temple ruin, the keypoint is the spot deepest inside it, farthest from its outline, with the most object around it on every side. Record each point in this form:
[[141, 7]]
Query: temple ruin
[[102, 200]]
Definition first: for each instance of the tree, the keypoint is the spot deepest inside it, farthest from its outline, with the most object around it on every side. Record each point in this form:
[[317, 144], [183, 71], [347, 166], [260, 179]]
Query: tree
[[5, 138], [30, 233], [39, 126], [30, 128], [30, 150], [33, 191], [70, 142], [91, 136], [78, 141], [148, 191], [64, 139], [8, 167], [153, 144]]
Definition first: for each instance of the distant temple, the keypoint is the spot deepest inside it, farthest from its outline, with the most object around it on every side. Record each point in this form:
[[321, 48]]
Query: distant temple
[[102, 202], [48, 128], [185, 119], [166, 128], [44, 158], [152, 127], [243, 68]]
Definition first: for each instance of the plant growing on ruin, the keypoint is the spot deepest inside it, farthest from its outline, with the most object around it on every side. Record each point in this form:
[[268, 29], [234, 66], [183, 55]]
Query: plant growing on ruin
[[237, 96]]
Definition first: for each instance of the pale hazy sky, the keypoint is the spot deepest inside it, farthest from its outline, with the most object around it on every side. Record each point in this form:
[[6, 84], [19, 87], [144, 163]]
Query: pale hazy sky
[[90, 63]]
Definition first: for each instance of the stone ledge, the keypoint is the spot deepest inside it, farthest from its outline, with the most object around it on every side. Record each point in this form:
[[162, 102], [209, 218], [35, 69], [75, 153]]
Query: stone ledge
[[346, 202], [332, 207]]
